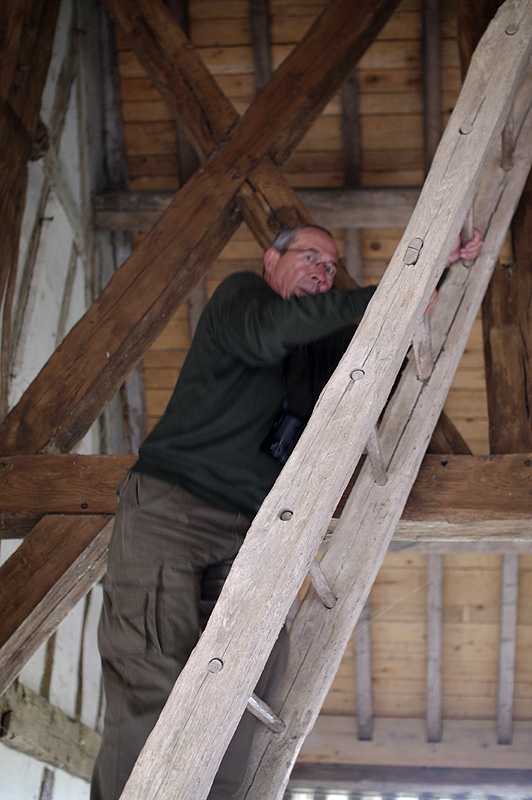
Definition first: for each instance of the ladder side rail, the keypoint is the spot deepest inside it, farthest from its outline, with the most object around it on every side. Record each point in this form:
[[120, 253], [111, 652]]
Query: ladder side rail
[[240, 634], [361, 538]]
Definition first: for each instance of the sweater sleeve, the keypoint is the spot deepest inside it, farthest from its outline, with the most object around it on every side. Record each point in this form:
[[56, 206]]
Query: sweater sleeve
[[258, 326]]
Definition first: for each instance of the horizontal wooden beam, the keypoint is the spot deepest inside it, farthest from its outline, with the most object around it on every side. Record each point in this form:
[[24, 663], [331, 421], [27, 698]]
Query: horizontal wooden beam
[[455, 499], [32, 725], [333, 208], [446, 781], [396, 742]]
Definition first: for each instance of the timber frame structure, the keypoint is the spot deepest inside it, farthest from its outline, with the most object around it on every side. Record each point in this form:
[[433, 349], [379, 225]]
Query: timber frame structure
[[480, 168]]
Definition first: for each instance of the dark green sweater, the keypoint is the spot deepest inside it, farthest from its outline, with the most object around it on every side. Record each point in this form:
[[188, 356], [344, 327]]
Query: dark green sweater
[[230, 387]]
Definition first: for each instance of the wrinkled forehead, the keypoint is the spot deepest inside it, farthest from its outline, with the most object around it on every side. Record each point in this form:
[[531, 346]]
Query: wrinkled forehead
[[319, 241]]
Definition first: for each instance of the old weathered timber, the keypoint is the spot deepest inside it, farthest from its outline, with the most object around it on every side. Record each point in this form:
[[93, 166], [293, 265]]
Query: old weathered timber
[[55, 566], [446, 438], [32, 725], [27, 37], [507, 336], [178, 72], [163, 270], [449, 490], [241, 635], [344, 208]]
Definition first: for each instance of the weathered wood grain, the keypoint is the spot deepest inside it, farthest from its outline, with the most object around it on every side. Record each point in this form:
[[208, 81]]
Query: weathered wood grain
[[334, 208], [507, 340], [52, 569], [31, 725], [448, 489]]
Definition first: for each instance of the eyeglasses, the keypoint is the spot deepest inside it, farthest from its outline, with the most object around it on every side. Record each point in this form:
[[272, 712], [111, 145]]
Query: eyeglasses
[[313, 259]]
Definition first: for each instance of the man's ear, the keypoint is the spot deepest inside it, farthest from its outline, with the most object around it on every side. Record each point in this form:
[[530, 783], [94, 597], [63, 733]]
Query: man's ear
[[271, 257]]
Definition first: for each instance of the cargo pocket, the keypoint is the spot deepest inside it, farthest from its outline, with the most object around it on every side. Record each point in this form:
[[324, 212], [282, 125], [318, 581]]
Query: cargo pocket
[[128, 624]]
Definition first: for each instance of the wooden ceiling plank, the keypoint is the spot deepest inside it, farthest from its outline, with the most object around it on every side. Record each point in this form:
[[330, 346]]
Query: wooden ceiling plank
[[364, 683], [259, 17], [507, 645], [53, 568], [432, 110], [55, 412], [434, 646], [334, 208], [466, 744]]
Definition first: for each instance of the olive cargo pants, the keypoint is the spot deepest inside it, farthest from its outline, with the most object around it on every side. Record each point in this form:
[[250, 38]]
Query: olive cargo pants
[[169, 556]]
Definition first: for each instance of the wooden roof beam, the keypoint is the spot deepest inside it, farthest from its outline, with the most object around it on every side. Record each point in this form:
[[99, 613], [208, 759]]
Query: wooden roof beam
[[334, 208], [450, 491]]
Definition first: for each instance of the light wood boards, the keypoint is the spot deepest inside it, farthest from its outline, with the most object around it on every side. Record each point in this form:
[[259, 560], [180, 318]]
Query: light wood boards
[[402, 741]]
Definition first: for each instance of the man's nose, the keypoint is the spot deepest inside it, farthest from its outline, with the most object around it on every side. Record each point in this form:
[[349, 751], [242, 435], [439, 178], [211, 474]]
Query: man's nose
[[319, 275], [318, 272]]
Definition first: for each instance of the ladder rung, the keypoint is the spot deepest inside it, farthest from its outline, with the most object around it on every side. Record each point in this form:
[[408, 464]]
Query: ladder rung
[[321, 584], [263, 712], [467, 234], [507, 155], [373, 448], [423, 350]]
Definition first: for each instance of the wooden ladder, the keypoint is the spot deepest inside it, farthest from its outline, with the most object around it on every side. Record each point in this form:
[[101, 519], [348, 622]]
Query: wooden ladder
[[472, 169]]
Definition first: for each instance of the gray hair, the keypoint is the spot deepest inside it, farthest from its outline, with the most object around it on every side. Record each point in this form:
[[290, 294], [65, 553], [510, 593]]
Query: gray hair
[[286, 236]]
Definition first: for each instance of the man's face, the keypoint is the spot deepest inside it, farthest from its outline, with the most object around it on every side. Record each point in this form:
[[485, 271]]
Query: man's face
[[308, 267]]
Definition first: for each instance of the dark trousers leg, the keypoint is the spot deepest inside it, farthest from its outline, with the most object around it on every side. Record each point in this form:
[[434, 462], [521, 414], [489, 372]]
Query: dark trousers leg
[[168, 559]]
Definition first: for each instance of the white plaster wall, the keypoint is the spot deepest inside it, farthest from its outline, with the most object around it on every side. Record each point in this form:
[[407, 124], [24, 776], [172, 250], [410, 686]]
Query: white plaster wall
[[56, 218]]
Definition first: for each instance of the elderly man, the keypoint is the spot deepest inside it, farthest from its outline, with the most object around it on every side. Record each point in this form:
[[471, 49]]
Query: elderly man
[[263, 350]]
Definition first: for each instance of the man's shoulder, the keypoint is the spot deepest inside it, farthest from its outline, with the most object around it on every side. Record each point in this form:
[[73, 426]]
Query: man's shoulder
[[246, 278], [240, 283]]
